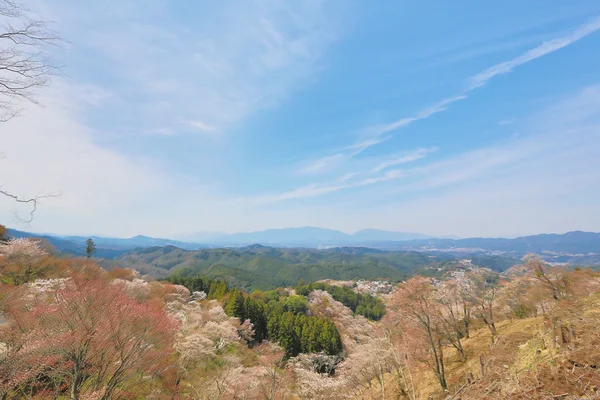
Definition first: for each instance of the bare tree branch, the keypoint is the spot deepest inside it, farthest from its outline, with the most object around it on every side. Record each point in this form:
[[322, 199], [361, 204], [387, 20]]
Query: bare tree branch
[[34, 201], [24, 63], [25, 66]]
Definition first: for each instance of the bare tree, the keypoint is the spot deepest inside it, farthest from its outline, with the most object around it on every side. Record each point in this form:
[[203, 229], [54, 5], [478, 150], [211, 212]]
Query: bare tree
[[485, 286], [24, 63], [418, 307], [25, 67], [555, 281], [452, 325]]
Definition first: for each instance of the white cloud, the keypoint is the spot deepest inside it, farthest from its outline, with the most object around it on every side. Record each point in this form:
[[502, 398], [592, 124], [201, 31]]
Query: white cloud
[[329, 163], [222, 66], [48, 150], [202, 126], [509, 121], [377, 133], [547, 180], [370, 176], [403, 159], [545, 48], [319, 165], [558, 151], [316, 189]]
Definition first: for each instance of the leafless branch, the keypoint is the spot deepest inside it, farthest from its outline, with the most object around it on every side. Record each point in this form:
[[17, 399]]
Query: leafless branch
[[24, 62], [24, 67], [34, 201]]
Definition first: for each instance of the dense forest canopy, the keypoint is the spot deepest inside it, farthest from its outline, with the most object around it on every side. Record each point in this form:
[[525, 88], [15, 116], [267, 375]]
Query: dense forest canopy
[[274, 315]]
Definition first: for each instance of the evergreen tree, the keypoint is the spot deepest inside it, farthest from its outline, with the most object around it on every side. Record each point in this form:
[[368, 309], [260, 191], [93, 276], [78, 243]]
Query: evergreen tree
[[217, 290], [288, 338], [256, 313], [90, 248], [273, 326], [296, 304], [235, 305]]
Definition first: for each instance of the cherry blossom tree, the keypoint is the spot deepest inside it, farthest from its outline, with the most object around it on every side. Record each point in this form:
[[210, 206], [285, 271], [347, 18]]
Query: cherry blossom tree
[[415, 303], [555, 281], [485, 285], [88, 337], [451, 313], [20, 258]]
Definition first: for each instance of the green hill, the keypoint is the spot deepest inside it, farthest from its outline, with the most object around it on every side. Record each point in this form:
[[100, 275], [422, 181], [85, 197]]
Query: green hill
[[260, 267]]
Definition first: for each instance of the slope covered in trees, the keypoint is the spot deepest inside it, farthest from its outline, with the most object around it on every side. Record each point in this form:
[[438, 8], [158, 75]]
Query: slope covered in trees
[[274, 315], [264, 268], [362, 304]]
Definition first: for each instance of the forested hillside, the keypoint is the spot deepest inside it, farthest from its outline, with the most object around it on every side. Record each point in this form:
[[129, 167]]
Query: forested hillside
[[259, 267]]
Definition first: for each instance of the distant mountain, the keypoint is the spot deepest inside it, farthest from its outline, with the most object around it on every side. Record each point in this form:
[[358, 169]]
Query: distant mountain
[[133, 242], [67, 246], [576, 243], [306, 236], [372, 235], [106, 247], [287, 237], [574, 247], [312, 237]]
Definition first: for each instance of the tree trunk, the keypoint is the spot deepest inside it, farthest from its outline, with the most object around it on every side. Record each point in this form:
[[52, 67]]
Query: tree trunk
[[553, 332], [459, 347], [493, 329], [438, 356], [466, 320], [482, 364], [443, 370]]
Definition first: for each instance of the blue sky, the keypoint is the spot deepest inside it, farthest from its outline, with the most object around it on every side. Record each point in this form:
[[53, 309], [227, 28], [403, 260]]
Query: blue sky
[[460, 118]]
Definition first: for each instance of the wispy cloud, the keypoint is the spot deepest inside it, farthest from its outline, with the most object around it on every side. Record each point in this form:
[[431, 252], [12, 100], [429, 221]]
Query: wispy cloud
[[381, 133], [403, 159], [370, 176], [219, 68], [320, 164], [313, 190], [545, 48], [509, 121], [552, 133], [202, 126]]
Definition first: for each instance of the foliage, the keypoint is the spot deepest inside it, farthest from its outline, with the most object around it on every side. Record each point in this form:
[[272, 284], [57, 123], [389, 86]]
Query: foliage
[[362, 304], [274, 316], [297, 333], [20, 260], [295, 304], [3, 233], [87, 337], [215, 289], [267, 268], [90, 248]]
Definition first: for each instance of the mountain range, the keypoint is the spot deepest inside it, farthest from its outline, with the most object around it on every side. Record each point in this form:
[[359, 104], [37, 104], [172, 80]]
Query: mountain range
[[558, 247], [288, 237], [304, 237]]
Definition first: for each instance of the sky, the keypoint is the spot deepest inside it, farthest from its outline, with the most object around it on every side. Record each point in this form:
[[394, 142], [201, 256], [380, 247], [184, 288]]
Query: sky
[[173, 118]]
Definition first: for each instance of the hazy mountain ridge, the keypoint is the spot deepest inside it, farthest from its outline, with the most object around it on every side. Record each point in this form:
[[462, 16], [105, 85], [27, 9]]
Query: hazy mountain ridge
[[575, 242], [577, 246], [308, 236]]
